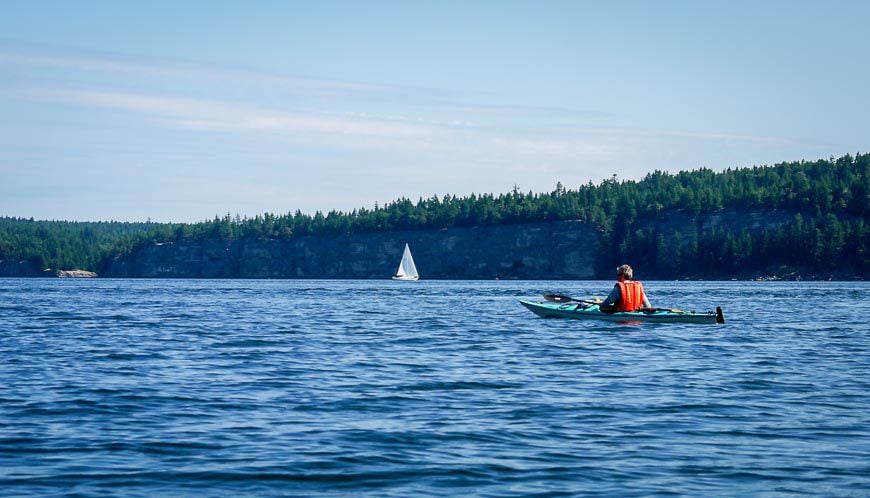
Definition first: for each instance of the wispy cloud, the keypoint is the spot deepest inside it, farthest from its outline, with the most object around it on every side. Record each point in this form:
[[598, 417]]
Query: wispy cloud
[[104, 63], [527, 111], [208, 115], [715, 136], [210, 74], [352, 130], [386, 131], [523, 129], [516, 152]]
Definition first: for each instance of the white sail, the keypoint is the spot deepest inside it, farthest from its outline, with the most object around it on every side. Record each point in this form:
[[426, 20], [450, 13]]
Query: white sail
[[407, 269]]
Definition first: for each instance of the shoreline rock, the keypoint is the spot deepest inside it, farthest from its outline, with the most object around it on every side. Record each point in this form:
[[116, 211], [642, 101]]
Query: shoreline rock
[[75, 274]]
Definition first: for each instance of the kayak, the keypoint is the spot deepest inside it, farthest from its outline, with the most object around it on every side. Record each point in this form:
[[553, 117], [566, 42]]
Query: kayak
[[585, 311]]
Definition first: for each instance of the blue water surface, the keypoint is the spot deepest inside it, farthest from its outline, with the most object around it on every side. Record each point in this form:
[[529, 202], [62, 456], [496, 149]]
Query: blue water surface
[[381, 388]]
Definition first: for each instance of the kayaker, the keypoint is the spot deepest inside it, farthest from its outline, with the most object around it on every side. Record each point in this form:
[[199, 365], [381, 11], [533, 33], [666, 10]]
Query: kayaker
[[627, 294]]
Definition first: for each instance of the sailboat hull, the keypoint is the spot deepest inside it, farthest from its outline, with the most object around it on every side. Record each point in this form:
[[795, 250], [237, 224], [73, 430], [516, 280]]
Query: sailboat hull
[[407, 278]]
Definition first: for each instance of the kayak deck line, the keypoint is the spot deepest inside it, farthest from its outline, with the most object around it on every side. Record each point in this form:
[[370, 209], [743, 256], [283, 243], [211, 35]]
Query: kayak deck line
[[583, 311]]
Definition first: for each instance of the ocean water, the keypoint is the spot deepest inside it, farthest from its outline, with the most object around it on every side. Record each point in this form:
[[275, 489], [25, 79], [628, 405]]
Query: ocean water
[[379, 388]]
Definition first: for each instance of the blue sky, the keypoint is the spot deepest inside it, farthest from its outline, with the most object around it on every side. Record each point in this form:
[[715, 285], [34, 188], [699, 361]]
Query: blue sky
[[178, 111]]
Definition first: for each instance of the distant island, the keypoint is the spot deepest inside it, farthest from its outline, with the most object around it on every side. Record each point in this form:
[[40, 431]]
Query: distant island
[[794, 220]]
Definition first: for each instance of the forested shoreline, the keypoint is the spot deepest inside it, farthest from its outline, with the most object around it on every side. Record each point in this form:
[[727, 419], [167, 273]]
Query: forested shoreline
[[826, 232]]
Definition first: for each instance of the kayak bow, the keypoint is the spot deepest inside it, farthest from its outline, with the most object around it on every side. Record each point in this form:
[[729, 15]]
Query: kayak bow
[[583, 311]]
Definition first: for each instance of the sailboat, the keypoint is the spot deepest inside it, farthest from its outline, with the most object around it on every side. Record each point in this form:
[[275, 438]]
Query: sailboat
[[407, 269]]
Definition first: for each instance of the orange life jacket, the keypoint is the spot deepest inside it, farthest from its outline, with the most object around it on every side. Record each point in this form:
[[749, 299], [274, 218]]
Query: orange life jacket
[[631, 292]]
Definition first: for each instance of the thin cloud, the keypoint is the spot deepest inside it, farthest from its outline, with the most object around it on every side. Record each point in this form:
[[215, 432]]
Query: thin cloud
[[206, 115], [367, 131], [505, 135], [141, 66], [528, 111], [162, 68], [213, 116], [717, 136]]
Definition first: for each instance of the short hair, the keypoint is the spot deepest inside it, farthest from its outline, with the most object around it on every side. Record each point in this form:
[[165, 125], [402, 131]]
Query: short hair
[[625, 270]]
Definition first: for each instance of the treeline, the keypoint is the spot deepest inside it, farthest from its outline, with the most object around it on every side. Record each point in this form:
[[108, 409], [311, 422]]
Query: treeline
[[828, 233], [839, 187], [830, 200]]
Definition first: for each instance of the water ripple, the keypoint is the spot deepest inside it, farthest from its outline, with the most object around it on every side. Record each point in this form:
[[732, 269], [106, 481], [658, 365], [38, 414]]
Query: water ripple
[[336, 388]]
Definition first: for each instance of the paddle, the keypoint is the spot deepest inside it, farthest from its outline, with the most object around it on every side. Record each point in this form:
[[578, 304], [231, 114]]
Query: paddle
[[559, 298], [671, 310]]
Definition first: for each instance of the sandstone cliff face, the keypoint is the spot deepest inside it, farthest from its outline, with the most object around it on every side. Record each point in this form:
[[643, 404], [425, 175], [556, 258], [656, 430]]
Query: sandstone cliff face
[[686, 225], [559, 250]]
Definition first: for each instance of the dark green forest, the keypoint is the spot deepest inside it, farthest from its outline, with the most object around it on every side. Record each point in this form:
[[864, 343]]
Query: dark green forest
[[67, 244], [828, 202]]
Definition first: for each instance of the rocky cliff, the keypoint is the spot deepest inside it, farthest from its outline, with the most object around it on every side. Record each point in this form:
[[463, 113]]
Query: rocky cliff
[[558, 250]]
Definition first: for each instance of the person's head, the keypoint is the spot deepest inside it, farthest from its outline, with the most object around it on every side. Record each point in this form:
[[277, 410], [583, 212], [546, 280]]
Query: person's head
[[624, 272]]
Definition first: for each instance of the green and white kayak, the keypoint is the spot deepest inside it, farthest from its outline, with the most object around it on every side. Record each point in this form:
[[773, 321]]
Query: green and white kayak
[[585, 311]]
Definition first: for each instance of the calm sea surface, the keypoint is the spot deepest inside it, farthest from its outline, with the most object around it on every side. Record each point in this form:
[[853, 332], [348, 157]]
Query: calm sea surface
[[380, 388]]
